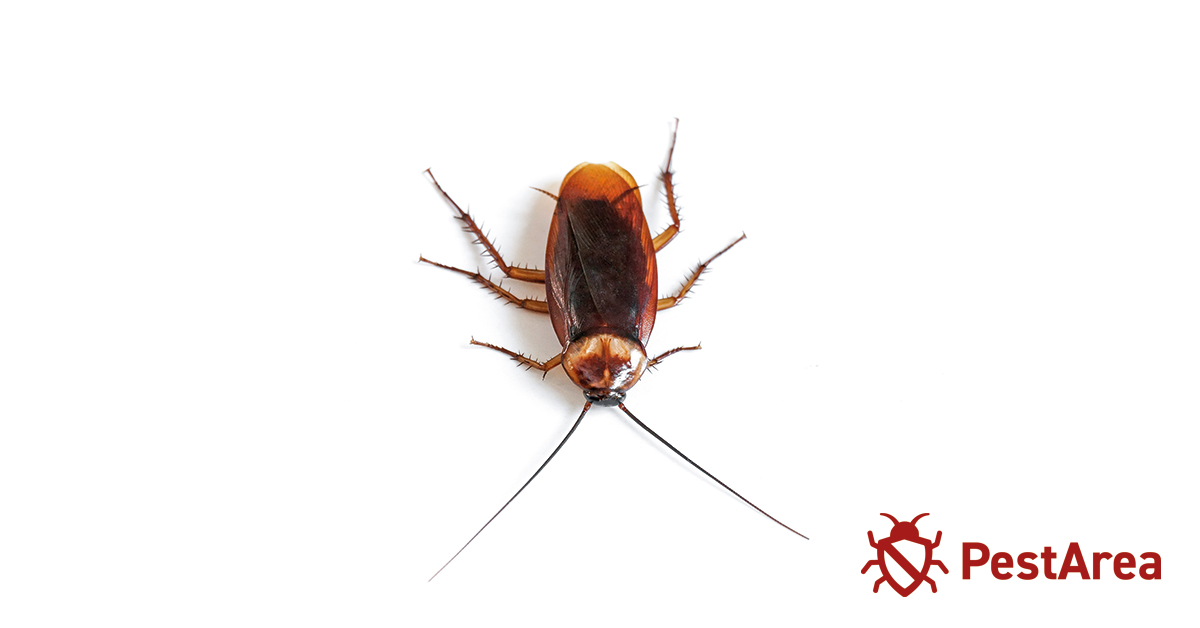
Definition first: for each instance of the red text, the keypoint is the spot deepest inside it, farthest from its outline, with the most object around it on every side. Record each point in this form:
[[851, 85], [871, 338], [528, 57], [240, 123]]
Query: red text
[[1122, 564]]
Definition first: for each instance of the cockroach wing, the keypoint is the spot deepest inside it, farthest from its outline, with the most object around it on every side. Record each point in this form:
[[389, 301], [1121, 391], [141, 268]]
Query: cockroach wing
[[600, 265]]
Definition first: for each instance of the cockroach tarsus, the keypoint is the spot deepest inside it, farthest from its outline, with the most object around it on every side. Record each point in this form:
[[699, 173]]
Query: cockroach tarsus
[[601, 280]]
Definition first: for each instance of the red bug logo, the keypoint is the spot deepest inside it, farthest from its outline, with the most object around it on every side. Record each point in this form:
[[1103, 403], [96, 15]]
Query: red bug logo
[[889, 556]]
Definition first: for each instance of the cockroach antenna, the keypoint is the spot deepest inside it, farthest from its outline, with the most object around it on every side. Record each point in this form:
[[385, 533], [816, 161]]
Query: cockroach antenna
[[702, 470], [586, 406]]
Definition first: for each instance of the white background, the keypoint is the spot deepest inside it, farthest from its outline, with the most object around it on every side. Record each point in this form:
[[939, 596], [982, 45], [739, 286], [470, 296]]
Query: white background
[[230, 396]]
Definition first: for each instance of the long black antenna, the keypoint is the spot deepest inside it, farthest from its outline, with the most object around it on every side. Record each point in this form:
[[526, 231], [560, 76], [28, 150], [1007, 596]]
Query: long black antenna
[[586, 407], [714, 478]]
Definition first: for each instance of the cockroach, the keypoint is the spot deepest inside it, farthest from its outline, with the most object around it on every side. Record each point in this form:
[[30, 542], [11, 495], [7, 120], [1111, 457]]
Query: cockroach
[[601, 281]]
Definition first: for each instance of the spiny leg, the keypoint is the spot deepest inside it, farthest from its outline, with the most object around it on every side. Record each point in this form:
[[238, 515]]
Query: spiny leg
[[524, 274], [659, 358], [666, 175], [529, 362], [535, 305], [669, 302]]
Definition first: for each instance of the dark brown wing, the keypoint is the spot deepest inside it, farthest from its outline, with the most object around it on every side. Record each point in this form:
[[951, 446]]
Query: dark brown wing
[[600, 265]]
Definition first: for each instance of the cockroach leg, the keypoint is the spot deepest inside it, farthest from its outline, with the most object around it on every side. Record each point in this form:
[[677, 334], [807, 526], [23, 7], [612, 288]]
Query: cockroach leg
[[666, 175], [655, 360], [670, 302], [532, 275], [529, 362], [536, 305]]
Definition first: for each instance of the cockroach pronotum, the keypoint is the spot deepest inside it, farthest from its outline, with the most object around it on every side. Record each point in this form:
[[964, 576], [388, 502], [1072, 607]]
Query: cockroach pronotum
[[601, 282]]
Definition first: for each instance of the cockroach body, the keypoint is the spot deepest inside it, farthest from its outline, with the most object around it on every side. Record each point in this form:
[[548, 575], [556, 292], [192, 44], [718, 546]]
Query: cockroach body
[[601, 282]]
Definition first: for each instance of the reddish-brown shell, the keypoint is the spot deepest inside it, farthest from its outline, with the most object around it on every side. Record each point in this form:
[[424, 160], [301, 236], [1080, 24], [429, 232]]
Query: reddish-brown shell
[[601, 273]]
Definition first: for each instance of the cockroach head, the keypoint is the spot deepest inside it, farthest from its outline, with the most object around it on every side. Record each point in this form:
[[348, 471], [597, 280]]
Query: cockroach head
[[605, 365], [609, 398]]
